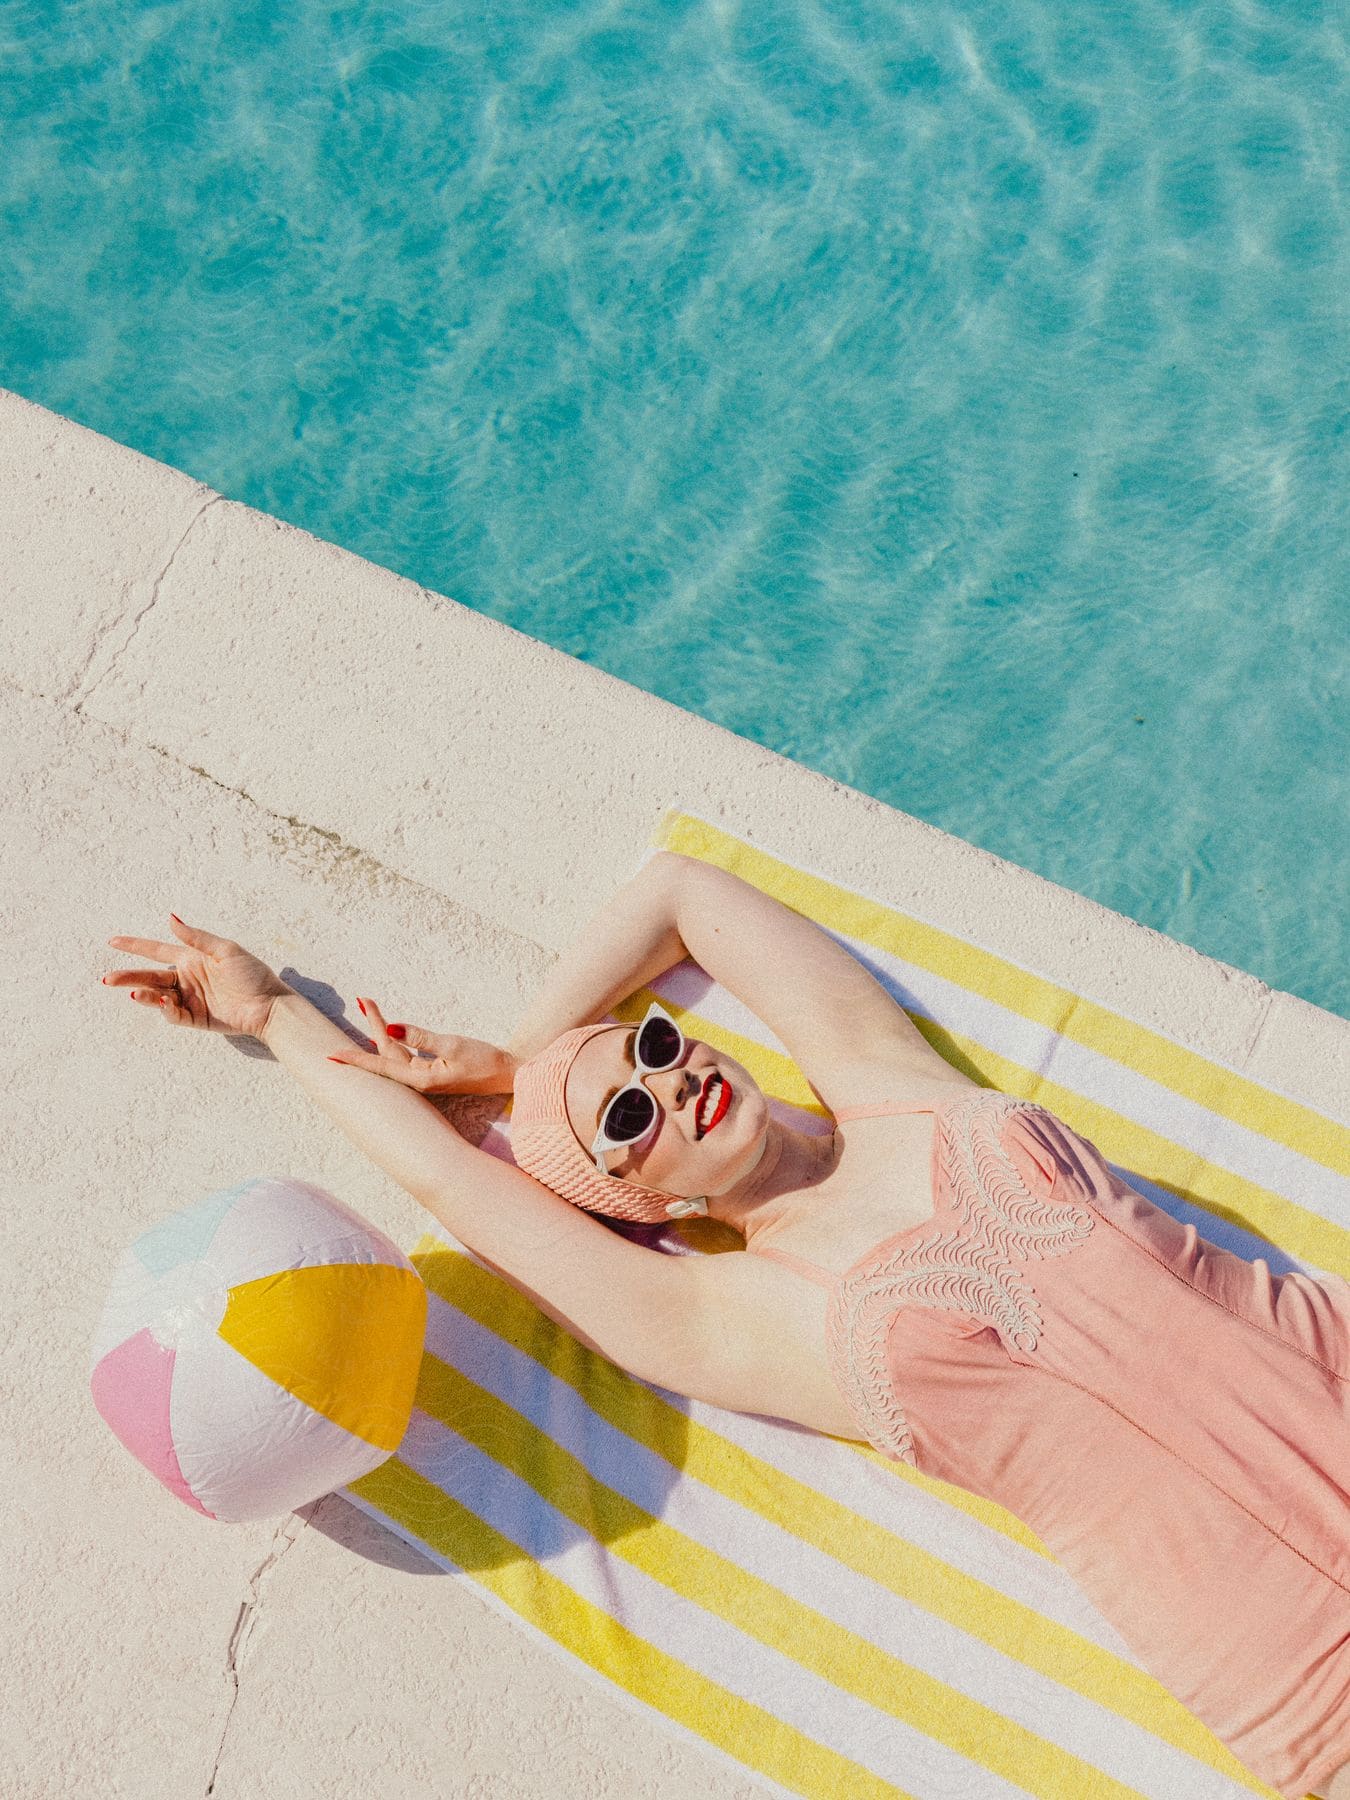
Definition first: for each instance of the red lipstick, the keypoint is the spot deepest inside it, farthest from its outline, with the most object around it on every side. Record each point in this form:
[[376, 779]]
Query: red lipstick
[[723, 1102]]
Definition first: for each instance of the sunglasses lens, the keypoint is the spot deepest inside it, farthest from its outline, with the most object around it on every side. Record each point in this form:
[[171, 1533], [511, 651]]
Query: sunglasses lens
[[629, 1115], [659, 1044]]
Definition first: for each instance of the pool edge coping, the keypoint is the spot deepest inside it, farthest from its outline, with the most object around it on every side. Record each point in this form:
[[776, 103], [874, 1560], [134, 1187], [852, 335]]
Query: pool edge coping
[[517, 780]]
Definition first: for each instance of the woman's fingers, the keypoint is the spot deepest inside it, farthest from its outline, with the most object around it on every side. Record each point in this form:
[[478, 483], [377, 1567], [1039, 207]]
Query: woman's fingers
[[200, 939], [176, 1012], [193, 935], [135, 946], [411, 1074], [417, 1037], [177, 1005], [146, 978], [390, 1048], [164, 989], [155, 987]]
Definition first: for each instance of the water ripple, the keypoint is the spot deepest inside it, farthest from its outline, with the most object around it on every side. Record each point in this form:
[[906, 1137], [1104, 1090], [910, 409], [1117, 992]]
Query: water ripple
[[952, 396]]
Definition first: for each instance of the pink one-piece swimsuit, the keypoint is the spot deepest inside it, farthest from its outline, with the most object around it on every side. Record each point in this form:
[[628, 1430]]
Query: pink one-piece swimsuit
[[1170, 1420]]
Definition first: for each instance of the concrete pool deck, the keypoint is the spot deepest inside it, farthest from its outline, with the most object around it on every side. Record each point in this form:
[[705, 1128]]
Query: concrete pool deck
[[381, 792]]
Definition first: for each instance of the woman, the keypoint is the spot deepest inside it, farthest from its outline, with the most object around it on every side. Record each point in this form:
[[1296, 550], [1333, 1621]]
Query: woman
[[952, 1274]]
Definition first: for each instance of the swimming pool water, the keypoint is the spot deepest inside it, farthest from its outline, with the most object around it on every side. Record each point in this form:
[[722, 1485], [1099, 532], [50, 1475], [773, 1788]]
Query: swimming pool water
[[953, 397]]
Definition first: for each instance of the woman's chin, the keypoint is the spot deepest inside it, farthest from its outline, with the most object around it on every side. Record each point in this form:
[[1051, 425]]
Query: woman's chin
[[739, 1139], [741, 1160]]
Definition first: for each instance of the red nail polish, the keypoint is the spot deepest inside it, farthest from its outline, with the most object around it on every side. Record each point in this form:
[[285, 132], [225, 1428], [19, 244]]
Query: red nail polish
[[396, 1031], [336, 1059], [361, 1004]]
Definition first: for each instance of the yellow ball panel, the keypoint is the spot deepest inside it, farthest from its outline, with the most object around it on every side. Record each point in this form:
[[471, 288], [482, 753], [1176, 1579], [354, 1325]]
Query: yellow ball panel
[[344, 1338]]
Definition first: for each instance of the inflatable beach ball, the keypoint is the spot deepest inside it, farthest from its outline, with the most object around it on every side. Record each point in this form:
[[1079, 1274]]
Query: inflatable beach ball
[[260, 1348]]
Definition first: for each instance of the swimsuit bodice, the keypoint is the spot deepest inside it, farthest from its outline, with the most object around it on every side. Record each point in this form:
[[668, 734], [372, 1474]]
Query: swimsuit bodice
[[965, 1257], [1160, 1411]]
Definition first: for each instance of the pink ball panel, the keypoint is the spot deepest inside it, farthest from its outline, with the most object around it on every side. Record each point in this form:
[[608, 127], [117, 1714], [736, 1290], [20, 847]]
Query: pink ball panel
[[131, 1387]]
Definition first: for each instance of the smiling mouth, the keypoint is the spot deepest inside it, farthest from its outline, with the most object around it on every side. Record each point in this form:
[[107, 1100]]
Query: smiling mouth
[[712, 1104]]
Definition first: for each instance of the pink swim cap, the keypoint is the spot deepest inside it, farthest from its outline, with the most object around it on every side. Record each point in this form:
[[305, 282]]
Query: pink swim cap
[[544, 1144]]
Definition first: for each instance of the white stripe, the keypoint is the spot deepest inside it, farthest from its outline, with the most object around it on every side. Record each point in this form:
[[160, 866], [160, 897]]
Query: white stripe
[[830, 1715], [1095, 1076], [811, 1576], [885, 1499], [1187, 1123], [602, 1683], [722, 1010]]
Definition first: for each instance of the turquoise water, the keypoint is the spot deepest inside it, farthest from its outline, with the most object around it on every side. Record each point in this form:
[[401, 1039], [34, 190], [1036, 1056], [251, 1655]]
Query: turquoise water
[[955, 398]]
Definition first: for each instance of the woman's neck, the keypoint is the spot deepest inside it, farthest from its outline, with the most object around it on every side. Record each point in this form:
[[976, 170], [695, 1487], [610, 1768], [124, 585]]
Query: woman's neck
[[790, 1162]]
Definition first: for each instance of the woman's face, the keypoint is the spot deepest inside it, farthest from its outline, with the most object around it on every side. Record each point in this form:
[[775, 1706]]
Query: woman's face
[[707, 1136]]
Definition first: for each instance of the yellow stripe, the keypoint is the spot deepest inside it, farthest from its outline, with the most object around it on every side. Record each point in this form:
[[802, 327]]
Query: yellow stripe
[[1270, 1215], [1273, 1216], [775, 1073], [762, 1611], [747, 1732], [1058, 1009], [908, 1571]]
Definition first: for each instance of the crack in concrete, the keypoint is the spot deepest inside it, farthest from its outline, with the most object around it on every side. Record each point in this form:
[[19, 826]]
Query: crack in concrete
[[303, 839], [72, 692], [247, 1617], [1254, 1036], [334, 845]]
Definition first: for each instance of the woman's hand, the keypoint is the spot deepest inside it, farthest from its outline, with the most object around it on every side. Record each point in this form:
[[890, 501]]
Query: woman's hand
[[211, 982], [452, 1065]]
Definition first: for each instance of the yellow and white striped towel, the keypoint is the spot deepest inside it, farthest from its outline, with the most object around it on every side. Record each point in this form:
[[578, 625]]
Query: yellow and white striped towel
[[841, 1626]]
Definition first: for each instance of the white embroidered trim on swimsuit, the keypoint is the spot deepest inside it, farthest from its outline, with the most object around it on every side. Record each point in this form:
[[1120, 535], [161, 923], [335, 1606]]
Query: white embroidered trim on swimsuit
[[969, 1271]]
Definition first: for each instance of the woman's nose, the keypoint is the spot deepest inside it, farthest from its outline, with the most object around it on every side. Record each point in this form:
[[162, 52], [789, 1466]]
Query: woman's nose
[[672, 1087]]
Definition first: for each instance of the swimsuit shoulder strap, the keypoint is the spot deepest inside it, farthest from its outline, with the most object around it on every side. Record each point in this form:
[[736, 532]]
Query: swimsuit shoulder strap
[[826, 1278], [887, 1107], [822, 1277]]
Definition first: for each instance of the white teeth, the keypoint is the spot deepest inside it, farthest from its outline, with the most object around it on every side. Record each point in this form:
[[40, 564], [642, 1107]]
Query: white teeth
[[708, 1101]]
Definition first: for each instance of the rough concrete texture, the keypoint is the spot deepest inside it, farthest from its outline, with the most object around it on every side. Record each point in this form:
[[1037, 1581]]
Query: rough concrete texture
[[355, 1669], [379, 792]]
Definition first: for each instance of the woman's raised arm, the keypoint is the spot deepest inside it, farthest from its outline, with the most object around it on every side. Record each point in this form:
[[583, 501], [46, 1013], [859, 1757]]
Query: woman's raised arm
[[633, 937], [637, 1309], [615, 1296], [832, 1016]]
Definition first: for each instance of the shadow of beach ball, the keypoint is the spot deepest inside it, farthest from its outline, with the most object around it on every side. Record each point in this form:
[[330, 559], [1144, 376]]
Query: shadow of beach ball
[[260, 1348]]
